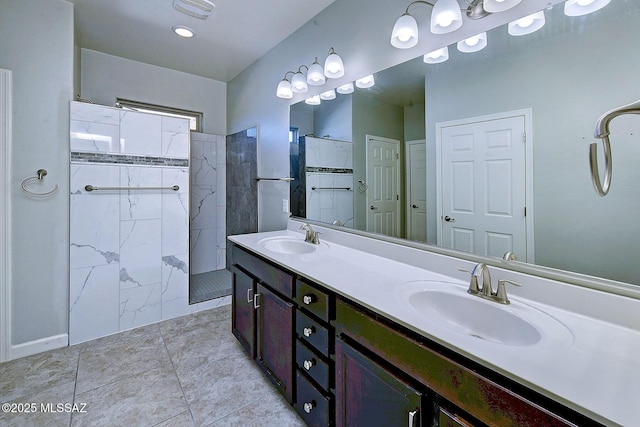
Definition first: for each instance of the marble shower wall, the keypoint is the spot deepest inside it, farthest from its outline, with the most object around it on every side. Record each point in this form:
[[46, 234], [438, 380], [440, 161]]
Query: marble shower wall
[[129, 254], [208, 201]]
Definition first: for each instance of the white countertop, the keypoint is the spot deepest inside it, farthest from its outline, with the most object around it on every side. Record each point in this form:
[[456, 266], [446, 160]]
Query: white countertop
[[594, 368]]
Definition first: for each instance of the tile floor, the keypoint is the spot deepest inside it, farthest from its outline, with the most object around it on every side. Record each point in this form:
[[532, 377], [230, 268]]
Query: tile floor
[[188, 371]]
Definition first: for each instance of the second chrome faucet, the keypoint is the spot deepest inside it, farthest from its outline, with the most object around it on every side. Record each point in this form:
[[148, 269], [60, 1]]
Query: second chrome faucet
[[486, 290]]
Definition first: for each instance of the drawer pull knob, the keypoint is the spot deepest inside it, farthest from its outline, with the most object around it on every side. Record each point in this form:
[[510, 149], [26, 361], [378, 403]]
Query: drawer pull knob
[[308, 331], [309, 363], [309, 299], [308, 406]]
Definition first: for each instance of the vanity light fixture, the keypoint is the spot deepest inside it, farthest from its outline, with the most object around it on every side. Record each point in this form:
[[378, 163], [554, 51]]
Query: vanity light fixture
[[437, 56], [583, 7], [345, 89], [299, 81], [365, 82], [314, 100], [284, 90], [333, 65], [183, 31], [315, 74], [446, 17], [473, 44], [328, 95], [527, 25]]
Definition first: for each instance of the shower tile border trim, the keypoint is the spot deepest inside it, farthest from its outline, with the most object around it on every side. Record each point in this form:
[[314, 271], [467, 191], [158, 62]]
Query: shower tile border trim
[[122, 159], [310, 169]]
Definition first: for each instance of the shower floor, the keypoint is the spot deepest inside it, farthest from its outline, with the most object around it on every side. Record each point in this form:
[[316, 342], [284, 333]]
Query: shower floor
[[209, 285]]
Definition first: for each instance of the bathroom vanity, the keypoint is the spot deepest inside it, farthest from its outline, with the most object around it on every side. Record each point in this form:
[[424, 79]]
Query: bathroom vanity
[[351, 337]]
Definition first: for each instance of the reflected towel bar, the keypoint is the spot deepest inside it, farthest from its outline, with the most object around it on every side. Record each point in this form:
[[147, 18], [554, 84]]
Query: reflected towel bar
[[286, 179], [92, 188], [331, 188]]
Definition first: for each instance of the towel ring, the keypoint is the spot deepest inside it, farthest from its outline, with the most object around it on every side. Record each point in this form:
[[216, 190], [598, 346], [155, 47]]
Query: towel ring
[[602, 187], [40, 174]]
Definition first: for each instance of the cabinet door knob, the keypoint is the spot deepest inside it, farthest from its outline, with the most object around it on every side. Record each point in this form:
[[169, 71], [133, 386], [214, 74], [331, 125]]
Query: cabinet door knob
[[308, 299], [308, 406], [308, 331], [309, 363]]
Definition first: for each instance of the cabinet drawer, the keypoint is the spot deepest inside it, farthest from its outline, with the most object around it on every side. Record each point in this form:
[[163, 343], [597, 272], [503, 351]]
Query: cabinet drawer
[[312, 299], [277, 279], [313, 365], [313, 333], [448, 419], [311, 404]]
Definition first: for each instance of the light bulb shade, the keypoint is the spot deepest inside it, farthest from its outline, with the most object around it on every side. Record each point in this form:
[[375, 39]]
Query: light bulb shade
[[437, 56], [299, 83], [446, 17], [527, 25], [314, 100], [333, 66], [284, 89], [583, 7], [473, 44], [345, 89], [328, 95], [315, 75], [366, 82], [493, 6], [405, 32]]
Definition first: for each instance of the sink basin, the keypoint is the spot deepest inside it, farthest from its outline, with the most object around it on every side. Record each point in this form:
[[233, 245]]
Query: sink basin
[[451, 307], [289, 245]]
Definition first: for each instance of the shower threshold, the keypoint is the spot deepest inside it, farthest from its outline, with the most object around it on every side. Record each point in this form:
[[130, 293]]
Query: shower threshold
[[209, 285]]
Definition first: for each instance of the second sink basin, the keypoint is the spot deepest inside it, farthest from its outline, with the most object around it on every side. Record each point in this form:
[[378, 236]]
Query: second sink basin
[[450, 306], [289, 245]]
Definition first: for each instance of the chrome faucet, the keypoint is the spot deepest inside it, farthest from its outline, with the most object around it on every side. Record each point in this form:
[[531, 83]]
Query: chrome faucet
[[311, 236], [486, 290]]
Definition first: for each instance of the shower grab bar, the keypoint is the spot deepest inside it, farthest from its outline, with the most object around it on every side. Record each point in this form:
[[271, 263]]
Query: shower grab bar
[[331, 188], [602, 132], [40, 174], [285, 179], [93, 188]]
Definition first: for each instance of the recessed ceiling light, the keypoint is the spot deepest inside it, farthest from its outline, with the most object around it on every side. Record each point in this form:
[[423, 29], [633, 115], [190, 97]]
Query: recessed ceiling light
[[183, 31]]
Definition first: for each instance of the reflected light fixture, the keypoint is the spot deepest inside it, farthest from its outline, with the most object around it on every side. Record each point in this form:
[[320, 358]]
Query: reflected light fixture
[[473, 44], [284, 90], [527, 25], [201, 9], [314, 100], [437, 56], [328, 95], [494, 6], [333, 66], [315, 74], [365, 82], [299, 81], [583, 7], [345, 89], [183, 31]]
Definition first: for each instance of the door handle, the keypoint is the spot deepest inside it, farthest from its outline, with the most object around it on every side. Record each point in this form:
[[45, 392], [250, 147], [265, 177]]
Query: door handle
[[449, 219], [373, 208], [256, 301], [249, 295], [414, 206]]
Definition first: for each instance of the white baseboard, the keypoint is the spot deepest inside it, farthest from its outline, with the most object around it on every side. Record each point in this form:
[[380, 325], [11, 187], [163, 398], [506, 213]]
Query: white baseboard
[[38, 346]]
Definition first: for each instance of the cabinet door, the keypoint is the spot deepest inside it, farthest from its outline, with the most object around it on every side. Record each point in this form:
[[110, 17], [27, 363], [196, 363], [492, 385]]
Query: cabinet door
[[369, 395], [242, 311], [275, 339]]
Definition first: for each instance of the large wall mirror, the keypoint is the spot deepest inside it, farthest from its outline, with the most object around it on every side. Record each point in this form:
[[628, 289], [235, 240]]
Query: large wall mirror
[[551, 85]]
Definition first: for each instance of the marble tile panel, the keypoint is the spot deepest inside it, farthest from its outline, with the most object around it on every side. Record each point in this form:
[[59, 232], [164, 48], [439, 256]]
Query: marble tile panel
[[140, 133], [140, 305], [140, 253], [175, 176], [53, 396], [175, 224], [329, 205], [203, 207], [94, 232], [140, 204], [94, 137], [82, 174], [175, 286], [328, 153], [118, 338], [214, 303], [93, 302], [175, 137], [94, 113], [145, 399], [35, 374], [121, 359], [204, 254]]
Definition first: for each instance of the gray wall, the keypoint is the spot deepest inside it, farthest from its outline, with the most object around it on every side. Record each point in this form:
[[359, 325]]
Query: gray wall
[[107, 77], [36, 44]]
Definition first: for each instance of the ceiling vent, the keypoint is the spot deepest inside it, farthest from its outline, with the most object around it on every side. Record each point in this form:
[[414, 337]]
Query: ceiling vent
[[197, 8]]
